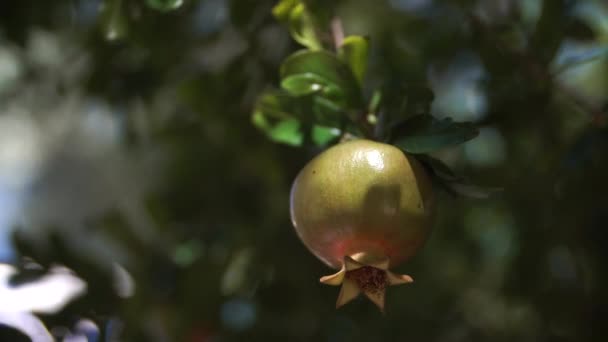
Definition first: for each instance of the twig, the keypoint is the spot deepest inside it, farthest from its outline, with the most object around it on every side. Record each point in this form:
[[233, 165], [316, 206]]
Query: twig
[[337, 31]]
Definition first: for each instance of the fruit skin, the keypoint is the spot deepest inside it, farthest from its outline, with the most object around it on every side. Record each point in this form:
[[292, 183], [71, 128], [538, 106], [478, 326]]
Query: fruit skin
[[362, 199]]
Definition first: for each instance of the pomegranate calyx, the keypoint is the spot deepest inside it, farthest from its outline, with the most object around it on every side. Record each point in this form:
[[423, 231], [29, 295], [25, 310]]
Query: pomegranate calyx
[[371, 279]]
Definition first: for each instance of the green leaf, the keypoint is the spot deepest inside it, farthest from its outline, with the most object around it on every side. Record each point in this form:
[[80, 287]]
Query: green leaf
[[164, 5], [276, 114], [272, 116], [374, 102], [438, 168], [354, 52], [320, 63], [287, 131], [282, 10], [424, 133], [302, 28], [113, 20], [322, 135], [453, 183], [341, 86], [291, 131], [303, 84], [276, 104], [327, 113]]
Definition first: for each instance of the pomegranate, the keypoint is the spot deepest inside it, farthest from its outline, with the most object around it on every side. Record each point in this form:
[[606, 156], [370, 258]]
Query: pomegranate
[[361, 207]]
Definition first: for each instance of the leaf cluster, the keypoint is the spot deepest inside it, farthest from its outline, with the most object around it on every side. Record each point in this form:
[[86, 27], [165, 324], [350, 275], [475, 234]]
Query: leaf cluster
[[323, 98]]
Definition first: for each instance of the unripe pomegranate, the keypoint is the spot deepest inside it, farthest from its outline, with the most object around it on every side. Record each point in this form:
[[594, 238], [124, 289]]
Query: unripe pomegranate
[[360, 207]]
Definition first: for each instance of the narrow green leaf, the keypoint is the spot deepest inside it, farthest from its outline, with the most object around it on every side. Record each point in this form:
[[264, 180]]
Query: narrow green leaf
[[282, 10], [354, 52], [290, 131], [277, 116], [328, 67], [453, 183], [164, 5], [113, 20], [424, 134], [438, 168], [322, 64], [374, 102], [302, 28], [303, 84], [322, 135], [326, 112], [286, 132], [276, 105], [272, 116]]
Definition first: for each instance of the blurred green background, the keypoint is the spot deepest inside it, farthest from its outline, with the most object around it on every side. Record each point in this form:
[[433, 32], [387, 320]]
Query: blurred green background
[[127, 155]]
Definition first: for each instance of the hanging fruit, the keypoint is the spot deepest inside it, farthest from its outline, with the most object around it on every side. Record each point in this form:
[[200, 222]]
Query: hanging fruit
[[362, 207]]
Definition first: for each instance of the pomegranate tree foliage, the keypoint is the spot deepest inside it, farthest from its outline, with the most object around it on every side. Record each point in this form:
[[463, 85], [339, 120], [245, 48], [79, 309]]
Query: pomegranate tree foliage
[[149, 145], [324, 86], [324, 96]]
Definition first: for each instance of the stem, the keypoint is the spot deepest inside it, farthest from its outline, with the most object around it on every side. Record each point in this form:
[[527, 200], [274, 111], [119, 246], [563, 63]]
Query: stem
[[366, 128], [337, 31]]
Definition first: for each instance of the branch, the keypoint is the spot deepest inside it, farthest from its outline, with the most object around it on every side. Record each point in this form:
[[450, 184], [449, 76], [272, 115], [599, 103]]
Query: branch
[[337, 31]]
